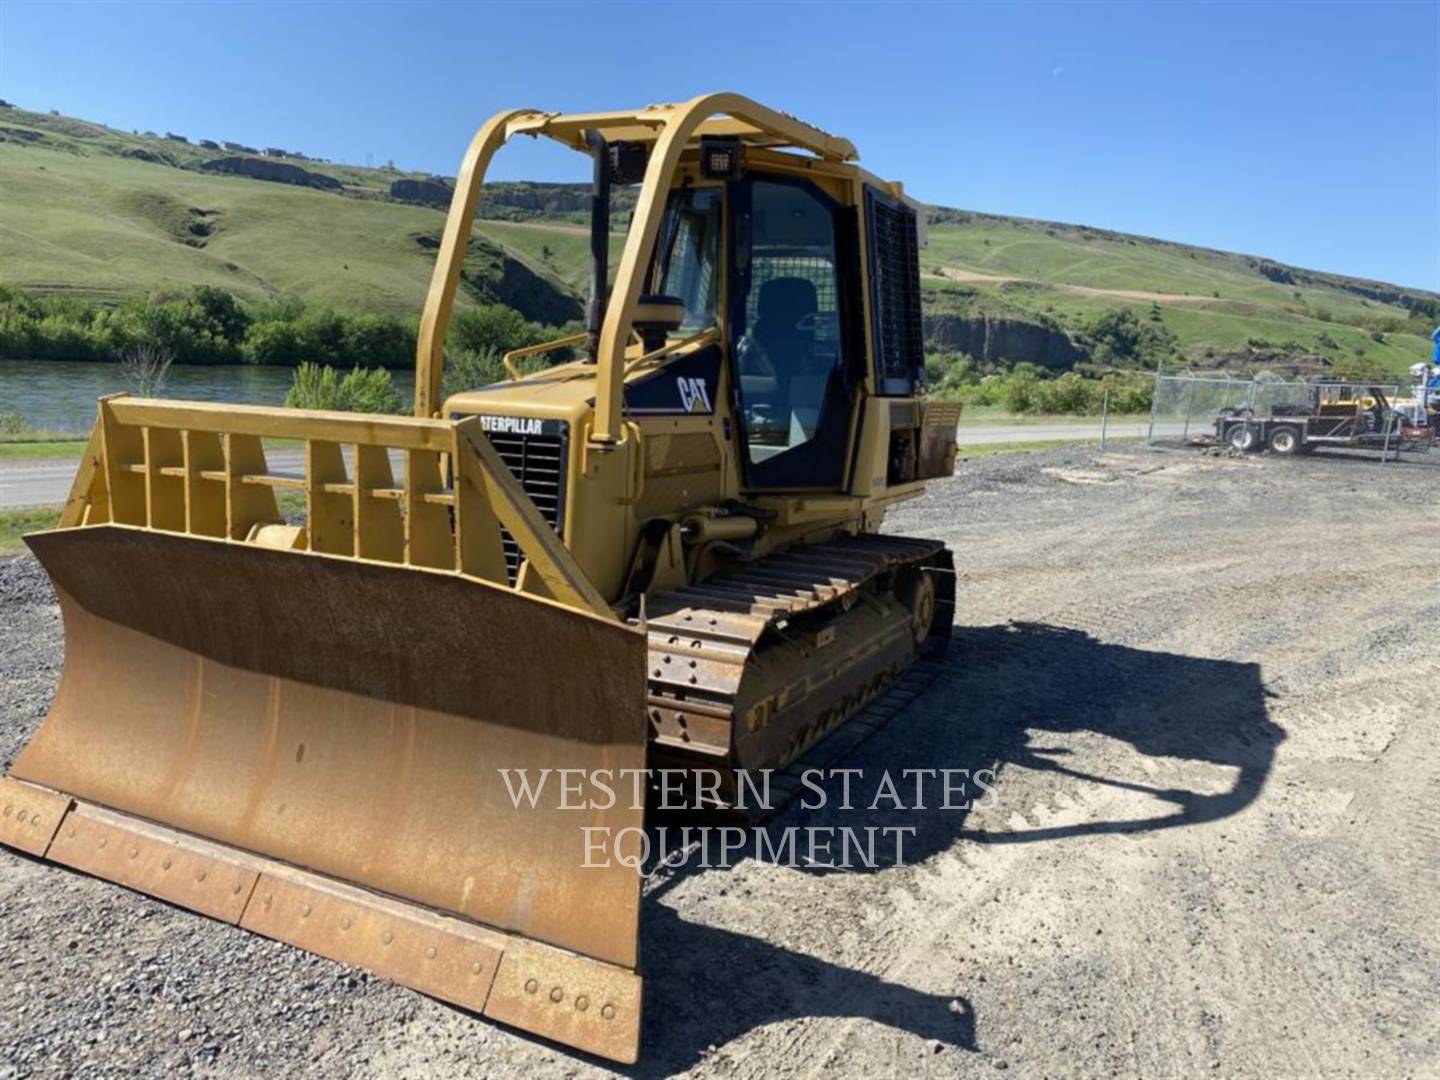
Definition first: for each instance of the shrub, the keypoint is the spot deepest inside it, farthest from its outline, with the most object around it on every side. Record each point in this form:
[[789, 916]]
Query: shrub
[[207, 325], [145, 368], [218, 313], [1118, 337], [492, 327], [285, 309], [377, 341], [368, 390], [276, 342], [314, 386], [287, 333], [1071, 393], [12, 423], [1020, 392], [470, 369]]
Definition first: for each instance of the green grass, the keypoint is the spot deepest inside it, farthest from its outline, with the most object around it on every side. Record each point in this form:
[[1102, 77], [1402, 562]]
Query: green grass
[[1212, 301], [16, 523], [994, 415], [81, 219], [29, 451], [987, 450], [568, 246], [1043, 251], [104, 228], [964, 453]]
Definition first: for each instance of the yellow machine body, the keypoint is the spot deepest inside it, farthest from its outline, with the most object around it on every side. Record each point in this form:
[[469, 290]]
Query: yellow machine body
[[301, 701]]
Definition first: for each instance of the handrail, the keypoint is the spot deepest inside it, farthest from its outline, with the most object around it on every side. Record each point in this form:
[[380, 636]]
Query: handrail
[[530, 350], [704, 337]]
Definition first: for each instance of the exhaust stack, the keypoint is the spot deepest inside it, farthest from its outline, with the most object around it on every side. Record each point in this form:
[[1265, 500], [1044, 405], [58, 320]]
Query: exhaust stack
[[599, 242]]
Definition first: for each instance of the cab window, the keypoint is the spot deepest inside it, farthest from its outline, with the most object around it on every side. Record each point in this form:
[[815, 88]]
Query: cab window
[[794, 393], [688, 253]]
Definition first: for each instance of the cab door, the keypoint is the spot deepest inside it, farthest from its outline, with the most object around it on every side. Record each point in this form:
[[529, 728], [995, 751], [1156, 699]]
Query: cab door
[[794, 358]]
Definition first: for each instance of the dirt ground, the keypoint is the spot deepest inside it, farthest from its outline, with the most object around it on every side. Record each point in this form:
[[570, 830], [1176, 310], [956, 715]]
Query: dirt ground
[[1207, 688]]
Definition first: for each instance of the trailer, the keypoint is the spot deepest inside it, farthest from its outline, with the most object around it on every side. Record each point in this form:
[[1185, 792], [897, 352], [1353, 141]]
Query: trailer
[[1337, 414]]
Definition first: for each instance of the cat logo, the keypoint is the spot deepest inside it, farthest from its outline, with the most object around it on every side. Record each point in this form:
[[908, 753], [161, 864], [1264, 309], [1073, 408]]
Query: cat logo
[[694, 396]]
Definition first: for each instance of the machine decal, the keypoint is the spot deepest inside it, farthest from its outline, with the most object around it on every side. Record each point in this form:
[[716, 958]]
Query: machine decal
[[694, 395], [517, 425], [686, 387]]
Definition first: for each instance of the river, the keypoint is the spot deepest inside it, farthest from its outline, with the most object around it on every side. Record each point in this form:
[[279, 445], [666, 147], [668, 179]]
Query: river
[[55, 395]]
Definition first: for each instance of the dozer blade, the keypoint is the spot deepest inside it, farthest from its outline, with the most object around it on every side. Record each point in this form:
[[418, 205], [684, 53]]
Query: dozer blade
[[310, 747]]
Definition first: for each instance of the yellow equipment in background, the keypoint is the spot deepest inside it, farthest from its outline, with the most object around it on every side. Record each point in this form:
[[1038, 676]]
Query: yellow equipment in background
[[666, 551]]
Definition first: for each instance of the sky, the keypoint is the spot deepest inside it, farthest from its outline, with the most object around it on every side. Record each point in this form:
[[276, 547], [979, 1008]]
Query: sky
[[1305, 132]]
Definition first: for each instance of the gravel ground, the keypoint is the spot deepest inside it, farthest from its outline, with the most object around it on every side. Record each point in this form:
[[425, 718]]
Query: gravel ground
[[1206, 688]]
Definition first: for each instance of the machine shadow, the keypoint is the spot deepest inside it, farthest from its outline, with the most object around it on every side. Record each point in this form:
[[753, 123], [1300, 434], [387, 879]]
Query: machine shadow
[[714, 985], [1004, 690]]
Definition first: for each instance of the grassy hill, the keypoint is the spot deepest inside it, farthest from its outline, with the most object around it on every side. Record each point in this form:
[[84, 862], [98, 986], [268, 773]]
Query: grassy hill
[[1220, 306], [106, 215], [83, 219]]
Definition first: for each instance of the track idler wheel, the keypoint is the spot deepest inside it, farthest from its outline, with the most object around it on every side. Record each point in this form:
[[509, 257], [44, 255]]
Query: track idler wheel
[[916, 590]]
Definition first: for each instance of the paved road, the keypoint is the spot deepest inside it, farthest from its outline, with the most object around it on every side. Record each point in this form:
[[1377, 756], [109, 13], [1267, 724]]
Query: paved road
[[977, 434], [47, 481]]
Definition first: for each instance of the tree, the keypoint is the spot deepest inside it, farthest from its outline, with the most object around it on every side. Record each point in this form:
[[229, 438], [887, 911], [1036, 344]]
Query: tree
[[492, 327], [1118, 337], [218, 312]]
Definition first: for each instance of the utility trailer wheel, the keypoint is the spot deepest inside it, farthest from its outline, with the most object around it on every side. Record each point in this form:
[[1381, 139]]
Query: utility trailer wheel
[[1243, 437], [1285, 441]]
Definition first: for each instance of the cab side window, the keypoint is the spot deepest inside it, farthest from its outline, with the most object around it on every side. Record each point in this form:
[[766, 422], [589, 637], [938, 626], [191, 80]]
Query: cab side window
[[688, 255]]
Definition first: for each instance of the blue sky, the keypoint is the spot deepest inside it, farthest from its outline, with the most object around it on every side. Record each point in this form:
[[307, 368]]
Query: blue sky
[[1308, 133]]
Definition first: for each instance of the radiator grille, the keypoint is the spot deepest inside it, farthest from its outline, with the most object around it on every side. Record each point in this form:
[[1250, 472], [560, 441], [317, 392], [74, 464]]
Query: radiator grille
[[895, 289], [538, 462]]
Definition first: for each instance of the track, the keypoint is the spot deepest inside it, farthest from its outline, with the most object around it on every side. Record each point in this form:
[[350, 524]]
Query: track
[[754, 666]]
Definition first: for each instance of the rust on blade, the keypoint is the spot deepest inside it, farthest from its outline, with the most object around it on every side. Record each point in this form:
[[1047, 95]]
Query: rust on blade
[[29, 815], [350, 718], [203, 877], [570, 999], [546, 991], [445, 958]]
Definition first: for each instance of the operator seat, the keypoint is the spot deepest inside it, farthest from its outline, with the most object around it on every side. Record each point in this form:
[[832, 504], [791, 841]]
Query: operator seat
[[783, 346]]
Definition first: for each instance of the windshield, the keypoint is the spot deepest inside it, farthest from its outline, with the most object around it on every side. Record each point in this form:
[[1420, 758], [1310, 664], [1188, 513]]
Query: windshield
[[688, 254]]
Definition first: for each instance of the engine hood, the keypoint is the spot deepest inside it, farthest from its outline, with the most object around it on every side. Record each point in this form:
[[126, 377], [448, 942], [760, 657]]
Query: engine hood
[[686, 383]]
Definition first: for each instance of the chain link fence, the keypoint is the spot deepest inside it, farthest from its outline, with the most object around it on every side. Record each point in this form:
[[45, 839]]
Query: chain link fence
[[1280, 414]]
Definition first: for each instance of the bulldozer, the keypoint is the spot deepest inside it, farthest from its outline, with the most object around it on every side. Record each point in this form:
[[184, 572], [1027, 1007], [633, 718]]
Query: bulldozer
[[288, 698]]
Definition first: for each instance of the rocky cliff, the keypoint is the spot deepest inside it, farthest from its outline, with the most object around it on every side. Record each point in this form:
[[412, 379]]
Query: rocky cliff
[[987, 337], [277, 171]]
